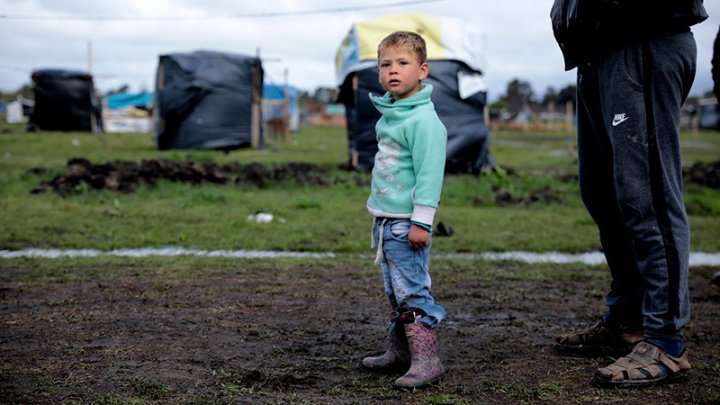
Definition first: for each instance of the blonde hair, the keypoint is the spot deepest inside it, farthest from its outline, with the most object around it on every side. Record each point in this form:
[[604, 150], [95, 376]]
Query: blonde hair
[[405, 40]]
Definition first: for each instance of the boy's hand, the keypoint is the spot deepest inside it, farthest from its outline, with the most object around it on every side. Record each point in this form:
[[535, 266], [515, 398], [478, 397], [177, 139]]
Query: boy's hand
[[418, 237]]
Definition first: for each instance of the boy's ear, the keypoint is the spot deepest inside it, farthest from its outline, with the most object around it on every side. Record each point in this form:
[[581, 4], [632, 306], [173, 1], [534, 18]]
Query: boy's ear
[[424, 71]]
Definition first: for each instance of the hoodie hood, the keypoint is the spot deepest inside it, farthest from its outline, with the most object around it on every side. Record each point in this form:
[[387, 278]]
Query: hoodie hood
[[393, 110]]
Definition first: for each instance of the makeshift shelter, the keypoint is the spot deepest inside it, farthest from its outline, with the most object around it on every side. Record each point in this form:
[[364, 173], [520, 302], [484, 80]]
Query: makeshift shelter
[[708, 114], [19, 110], [208, 100], [65, 100], [280, 103], [142, 100], [128, 112], [459, 92]]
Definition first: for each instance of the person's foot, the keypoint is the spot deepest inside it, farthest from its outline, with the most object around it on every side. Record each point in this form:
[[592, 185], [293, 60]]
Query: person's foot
[[600, 339], [647, 364], [397, 355], [716, 278]]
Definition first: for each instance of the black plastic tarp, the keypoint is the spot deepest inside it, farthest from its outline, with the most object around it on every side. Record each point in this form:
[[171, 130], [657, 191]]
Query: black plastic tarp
[[468, 134], [65, 100], [204, 100]]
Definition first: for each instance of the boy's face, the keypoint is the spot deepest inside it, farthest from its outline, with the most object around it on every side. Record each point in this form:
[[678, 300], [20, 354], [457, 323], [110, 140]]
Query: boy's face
[[401, 72]]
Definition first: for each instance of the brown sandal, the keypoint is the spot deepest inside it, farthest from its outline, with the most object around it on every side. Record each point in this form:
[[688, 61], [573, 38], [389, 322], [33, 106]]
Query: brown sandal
[[600, 339], [647, 364]]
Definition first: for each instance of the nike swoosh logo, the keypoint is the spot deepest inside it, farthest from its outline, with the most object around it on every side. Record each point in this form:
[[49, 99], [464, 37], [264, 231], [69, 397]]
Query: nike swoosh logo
[[619, 120]]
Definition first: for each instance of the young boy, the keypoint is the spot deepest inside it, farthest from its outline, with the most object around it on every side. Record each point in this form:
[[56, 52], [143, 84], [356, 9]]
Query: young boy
[[406, 184]]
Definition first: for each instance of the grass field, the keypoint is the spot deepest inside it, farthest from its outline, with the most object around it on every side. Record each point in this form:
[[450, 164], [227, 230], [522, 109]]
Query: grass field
[[308, 218]]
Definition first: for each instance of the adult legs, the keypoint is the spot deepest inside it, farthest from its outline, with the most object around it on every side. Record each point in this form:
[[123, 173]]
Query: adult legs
[[597, 189], [631, 177]]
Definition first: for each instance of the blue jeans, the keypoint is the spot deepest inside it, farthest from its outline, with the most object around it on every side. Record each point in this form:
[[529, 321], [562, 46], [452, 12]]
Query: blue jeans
[[405, 271], [631, 178]]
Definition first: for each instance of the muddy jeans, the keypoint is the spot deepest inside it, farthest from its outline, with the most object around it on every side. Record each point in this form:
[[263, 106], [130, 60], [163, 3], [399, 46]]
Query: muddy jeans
[[405, 271], [631, 178]]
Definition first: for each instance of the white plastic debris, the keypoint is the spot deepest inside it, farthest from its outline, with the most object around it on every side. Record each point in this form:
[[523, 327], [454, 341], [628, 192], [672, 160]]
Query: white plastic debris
[[261, 217]]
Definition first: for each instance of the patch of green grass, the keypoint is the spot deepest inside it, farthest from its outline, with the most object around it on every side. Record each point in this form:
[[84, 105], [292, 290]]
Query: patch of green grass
[[528, 393], [534, 150], [146, 389], [47, 386], [699, 146], [113, 398], [544, 212], [702, 202], [700, 396], [157, 291], [444, 399]]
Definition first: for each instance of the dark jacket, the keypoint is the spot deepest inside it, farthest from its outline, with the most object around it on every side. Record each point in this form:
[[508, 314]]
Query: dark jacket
[[589, 29]]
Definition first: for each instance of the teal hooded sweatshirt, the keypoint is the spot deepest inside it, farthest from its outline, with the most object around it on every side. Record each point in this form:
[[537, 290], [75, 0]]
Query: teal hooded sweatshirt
[[410, 163]]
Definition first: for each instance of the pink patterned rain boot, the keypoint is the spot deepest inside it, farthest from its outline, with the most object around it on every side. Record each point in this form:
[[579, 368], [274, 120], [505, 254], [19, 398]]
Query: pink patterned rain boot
[[426, 367], [396, 356]]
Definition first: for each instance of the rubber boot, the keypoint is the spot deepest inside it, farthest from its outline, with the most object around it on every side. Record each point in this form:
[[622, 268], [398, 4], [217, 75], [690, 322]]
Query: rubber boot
[[397, 354], [426, 366]]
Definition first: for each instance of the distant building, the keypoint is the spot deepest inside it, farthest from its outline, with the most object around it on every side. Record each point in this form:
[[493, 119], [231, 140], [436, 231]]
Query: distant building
[[280, 107], [19, 110], [128, 112]]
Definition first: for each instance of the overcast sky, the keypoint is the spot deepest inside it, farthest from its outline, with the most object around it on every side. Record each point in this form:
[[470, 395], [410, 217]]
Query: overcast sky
[[127, 37]]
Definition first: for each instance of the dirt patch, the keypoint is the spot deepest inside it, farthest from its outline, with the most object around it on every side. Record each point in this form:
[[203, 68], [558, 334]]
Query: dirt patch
[[80, 174], [545, 195], [703, 173], [263, 332]]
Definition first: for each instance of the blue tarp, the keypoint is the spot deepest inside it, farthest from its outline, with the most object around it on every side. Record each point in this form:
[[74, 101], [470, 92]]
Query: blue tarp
[[277, 92], [120, 100]]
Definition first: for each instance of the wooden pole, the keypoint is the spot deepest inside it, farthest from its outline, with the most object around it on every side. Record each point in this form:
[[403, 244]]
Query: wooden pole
[[256, 104], [695, 120], [569, 114], [89, 57], [354, 153], [286, 108], [551, 115], [94, 127]]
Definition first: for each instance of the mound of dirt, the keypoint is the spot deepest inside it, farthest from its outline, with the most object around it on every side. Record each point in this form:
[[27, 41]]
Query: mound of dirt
[[80, 174], [546, 195], [125, 176], [703, 173]]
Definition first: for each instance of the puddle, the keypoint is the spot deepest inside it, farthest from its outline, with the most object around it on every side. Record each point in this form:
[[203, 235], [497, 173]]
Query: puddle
[[592, 258], [145, 252]]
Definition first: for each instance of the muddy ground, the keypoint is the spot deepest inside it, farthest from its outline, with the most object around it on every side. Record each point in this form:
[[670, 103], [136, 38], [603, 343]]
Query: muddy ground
[[145, 331]]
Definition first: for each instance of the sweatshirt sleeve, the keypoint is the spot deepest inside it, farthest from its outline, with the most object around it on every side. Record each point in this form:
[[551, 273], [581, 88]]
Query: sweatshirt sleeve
[[429, 143]]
